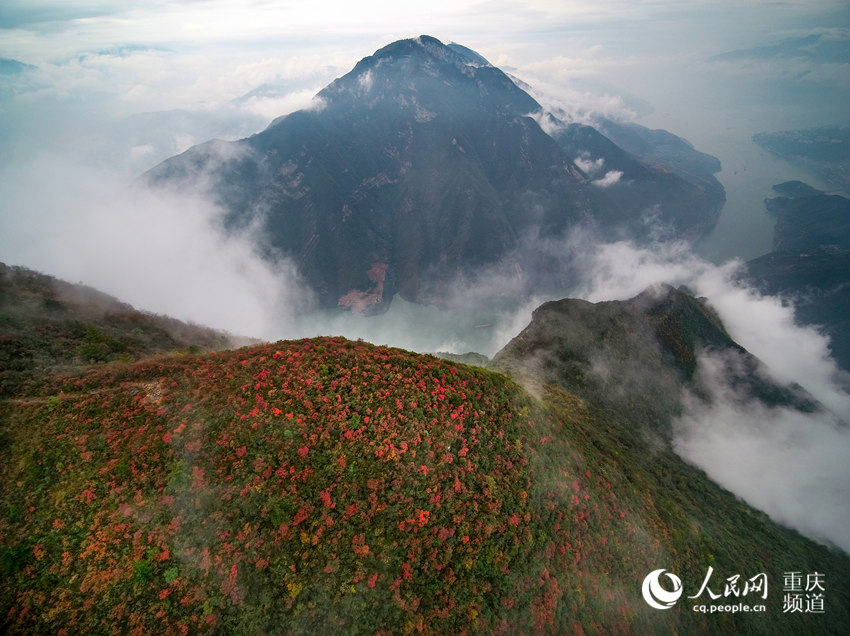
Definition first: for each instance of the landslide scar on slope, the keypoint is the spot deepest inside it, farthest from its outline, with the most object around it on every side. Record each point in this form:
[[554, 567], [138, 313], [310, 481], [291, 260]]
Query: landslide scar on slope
[[360, 301]]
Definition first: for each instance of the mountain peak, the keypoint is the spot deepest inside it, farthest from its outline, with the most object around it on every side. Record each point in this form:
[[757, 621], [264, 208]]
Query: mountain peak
[[423, 168], [422, 69], [427, 45], [419, 49]]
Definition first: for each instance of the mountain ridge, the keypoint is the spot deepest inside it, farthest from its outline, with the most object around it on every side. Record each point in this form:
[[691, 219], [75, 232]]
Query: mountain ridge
[[47, 324], [638, 357]]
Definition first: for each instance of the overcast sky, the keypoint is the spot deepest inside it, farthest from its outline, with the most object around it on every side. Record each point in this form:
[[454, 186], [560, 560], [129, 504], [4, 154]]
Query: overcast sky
[[152, 55]]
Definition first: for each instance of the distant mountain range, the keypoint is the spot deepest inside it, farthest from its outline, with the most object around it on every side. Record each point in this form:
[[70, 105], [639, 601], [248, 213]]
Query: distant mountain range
[[819, 47], [826, 149], [426, 165]]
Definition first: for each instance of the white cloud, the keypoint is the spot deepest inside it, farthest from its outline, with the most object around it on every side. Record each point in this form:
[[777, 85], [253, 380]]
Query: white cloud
[[572, 105], [611, 177], [765, 326], [182, 142], [617, 271], [790, 464], [272, 107], [587, 165]]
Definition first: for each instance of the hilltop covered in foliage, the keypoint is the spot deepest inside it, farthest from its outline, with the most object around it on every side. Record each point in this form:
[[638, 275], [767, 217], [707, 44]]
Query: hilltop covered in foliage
[[331, 486]]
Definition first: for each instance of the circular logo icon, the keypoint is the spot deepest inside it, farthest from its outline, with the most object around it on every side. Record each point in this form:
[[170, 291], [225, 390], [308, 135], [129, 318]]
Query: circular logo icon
[[655, 595]]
